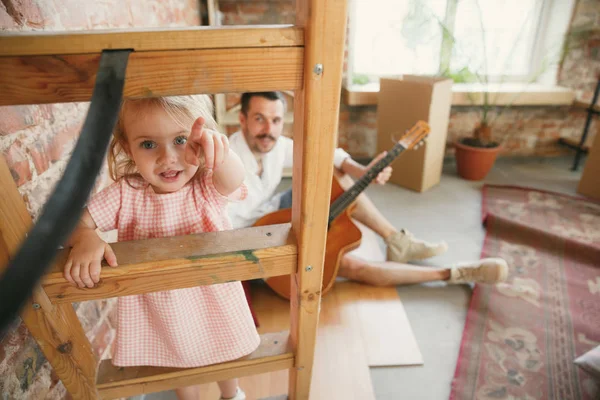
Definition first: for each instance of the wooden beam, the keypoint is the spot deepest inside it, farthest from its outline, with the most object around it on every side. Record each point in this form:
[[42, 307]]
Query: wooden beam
[[69, 78], [58, 332], [55, 328], [273, 354], [15, 221], [193, 260], [151, 39], [316, 114]]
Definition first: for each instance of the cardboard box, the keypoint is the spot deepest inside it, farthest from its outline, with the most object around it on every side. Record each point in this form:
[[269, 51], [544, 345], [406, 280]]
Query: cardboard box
[[589, 184], [402, 102]]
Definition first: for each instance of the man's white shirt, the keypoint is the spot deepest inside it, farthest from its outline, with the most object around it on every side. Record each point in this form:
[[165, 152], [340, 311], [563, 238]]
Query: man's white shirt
[[261, 197]]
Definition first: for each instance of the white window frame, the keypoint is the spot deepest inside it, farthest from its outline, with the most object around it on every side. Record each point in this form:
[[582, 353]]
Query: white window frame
[[554, 13]]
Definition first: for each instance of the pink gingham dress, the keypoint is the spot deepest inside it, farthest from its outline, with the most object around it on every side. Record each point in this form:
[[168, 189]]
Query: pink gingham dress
[[183, 327]]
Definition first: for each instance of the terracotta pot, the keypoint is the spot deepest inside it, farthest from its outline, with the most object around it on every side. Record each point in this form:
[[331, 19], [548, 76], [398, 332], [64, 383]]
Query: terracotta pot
[[474, 163]]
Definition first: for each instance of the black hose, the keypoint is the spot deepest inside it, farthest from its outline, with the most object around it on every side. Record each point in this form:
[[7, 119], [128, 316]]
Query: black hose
[[64, 208]]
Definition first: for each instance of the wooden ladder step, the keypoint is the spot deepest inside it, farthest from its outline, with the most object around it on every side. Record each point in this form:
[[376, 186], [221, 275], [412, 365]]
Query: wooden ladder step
[[155, 39], [55, 68], [273, 354], [183, 261], [70, 78]]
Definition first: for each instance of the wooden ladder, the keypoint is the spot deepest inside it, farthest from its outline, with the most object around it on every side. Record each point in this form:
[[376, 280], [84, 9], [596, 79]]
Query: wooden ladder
[[37, 68]]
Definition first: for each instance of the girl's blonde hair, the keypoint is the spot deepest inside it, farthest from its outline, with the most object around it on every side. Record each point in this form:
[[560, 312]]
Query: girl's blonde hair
[[183, 109]]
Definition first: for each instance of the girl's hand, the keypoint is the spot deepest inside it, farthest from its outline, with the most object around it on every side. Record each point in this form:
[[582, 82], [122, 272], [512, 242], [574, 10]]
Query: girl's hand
[[214, 145], [385, 174], [83, 265]]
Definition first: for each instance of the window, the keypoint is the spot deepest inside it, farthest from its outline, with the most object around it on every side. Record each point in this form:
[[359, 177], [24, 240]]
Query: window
[[472, 40]]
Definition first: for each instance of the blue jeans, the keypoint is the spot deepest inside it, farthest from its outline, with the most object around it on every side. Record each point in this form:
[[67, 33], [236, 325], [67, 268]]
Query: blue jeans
[[285, 201]]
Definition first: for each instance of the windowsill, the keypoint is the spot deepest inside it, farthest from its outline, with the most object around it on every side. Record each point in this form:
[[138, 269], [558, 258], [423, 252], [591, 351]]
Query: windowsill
[[472, 94]]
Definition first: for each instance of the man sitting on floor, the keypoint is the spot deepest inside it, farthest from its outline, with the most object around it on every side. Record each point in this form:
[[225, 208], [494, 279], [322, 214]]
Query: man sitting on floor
[[265, 153]]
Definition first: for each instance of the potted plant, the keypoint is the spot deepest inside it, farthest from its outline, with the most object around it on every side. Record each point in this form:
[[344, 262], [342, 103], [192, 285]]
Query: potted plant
[[476, 154]]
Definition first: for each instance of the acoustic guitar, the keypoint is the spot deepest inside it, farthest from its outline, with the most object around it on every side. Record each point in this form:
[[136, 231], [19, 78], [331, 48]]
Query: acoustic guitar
[[342, 233]]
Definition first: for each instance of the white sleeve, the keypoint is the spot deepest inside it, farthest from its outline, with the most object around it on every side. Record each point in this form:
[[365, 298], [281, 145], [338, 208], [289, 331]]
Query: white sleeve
[[289, 152], [338, 157]]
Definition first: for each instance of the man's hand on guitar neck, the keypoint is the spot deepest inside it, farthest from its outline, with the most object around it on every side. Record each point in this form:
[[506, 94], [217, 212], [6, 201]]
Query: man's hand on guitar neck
[[356, 170]]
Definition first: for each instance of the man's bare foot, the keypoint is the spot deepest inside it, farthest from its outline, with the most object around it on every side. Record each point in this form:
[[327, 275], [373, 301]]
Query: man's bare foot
[[402, 247]]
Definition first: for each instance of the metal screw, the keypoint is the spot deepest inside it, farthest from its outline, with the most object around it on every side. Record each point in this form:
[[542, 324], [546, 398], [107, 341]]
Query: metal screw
[[318, 69], [308, 268], [36, 306]]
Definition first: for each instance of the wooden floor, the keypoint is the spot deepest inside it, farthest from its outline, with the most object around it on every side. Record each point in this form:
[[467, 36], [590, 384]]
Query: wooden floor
[[359, 326]]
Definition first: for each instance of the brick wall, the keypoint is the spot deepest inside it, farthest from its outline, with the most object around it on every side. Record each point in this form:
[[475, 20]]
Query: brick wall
[[581, 65], [36, 142], [523, 130]]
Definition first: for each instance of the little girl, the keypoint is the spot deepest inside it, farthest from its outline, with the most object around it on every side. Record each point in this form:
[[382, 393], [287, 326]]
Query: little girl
[[161, 190]]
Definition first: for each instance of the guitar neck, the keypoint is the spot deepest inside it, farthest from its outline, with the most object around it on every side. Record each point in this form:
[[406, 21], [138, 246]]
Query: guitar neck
[[342, 202]]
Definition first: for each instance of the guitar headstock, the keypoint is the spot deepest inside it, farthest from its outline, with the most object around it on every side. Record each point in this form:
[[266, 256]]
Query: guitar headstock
[[415, 136]]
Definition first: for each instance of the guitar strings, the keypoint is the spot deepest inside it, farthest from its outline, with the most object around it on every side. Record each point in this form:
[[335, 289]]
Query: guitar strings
[[342, 202]]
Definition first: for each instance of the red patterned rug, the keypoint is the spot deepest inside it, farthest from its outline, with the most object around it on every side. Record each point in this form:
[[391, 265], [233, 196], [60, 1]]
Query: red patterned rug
[[522, 336]]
